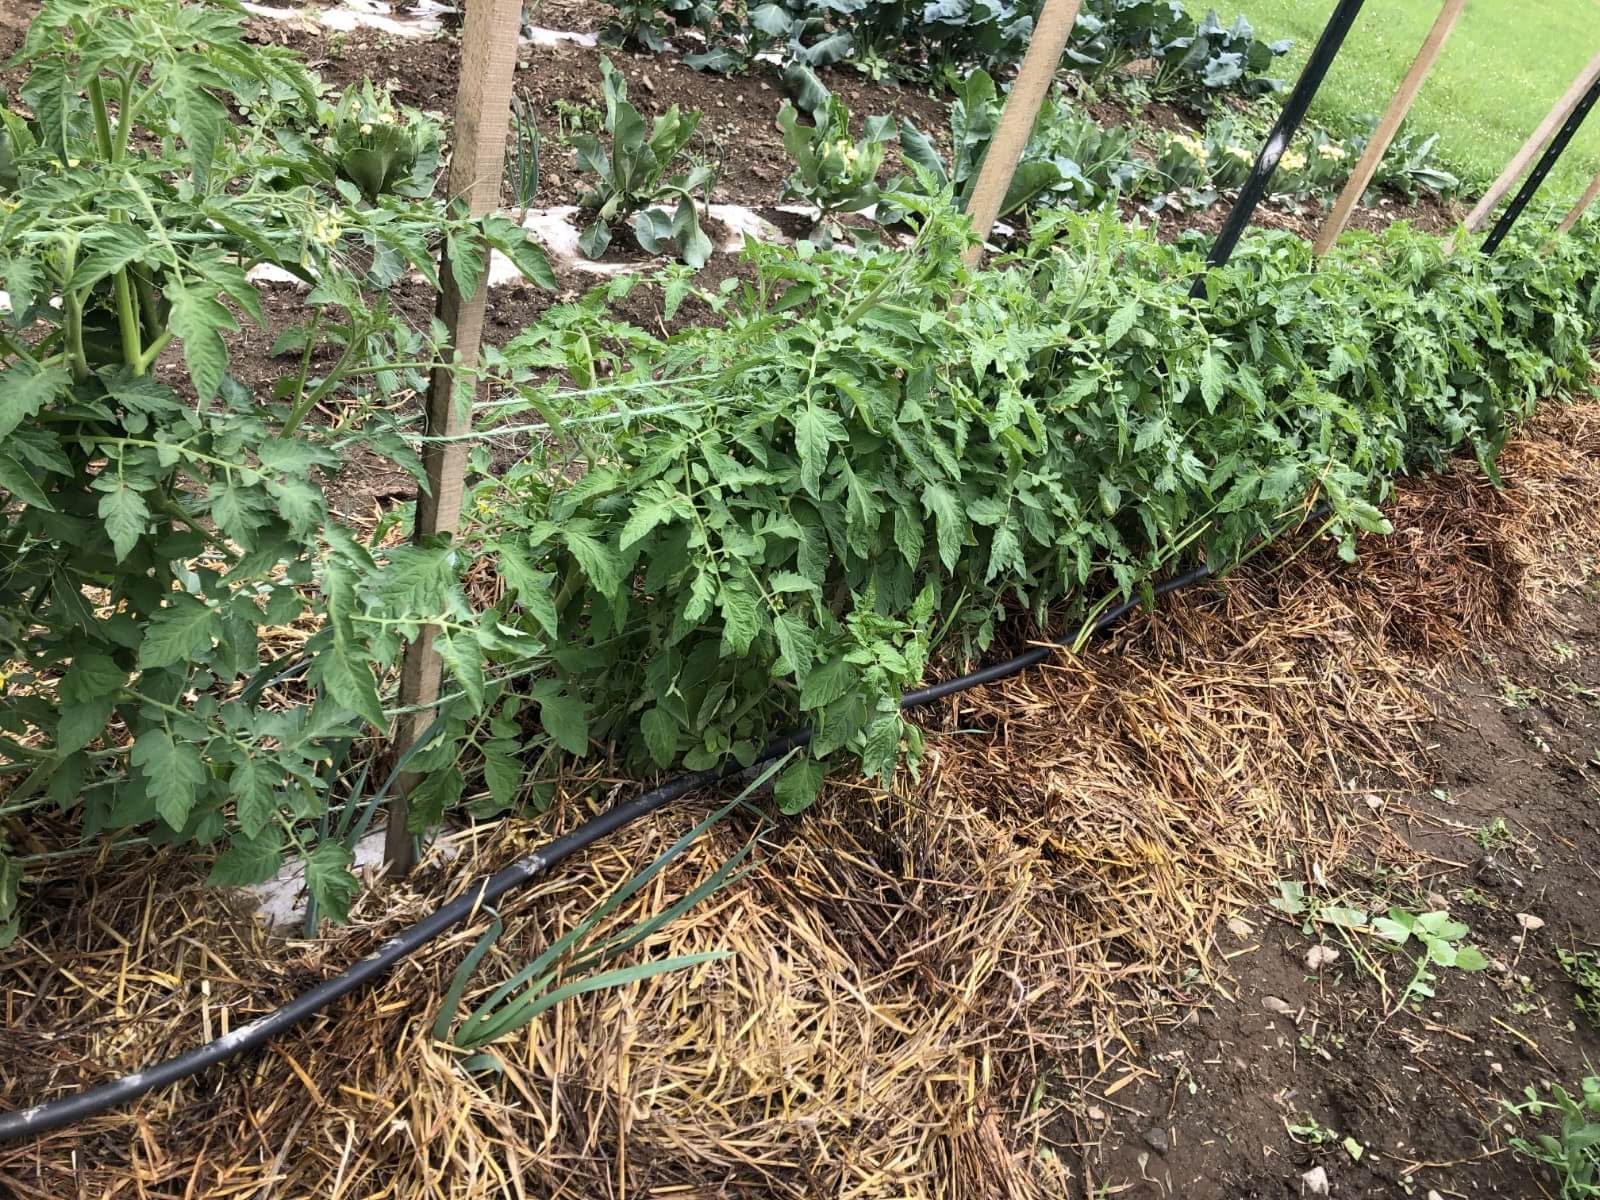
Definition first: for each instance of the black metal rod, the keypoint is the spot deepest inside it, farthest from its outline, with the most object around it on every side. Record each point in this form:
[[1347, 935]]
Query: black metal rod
[[1547, 161], [1288, 124]]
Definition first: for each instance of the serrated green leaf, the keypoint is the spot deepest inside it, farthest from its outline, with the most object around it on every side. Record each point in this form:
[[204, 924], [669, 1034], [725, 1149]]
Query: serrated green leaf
[[463, 658], [254, 858], [199, 320], [330, 882], [566, 719], [125, 515], [1213, 380], [81, 722], [181, 632], [503, 773], [91, 676], [660, 735], [349, 681], [797, 647], [815, 429], [741, 618], [25, 389], [253, 786], [1121, 322], [826, 684], [646, 515], [173, 772], [950, 523]]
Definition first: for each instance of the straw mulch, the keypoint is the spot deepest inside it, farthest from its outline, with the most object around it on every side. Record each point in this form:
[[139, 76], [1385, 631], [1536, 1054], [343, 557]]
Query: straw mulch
[[927, 992]]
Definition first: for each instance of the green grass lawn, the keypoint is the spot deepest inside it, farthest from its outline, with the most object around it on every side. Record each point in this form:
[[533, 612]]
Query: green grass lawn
[[1502, 69]]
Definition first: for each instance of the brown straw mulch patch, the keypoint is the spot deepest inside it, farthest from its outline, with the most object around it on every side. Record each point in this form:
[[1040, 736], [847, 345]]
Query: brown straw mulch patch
[[926, 994]]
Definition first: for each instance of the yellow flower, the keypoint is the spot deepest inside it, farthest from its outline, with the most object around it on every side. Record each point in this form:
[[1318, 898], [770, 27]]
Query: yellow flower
[[1294, 161], [1331, 151]]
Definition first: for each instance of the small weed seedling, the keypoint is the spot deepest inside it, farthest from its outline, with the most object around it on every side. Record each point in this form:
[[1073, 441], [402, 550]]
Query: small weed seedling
[[1516, 697], [1430, 940], [1583, 968], [1312, 1132], [1496, 835], [1441, 943], [574, 117]]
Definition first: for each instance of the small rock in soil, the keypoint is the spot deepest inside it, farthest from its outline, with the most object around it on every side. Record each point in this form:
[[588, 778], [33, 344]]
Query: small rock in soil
[[1314, 1182], [1274, 1005], [1157, 1140], [1320, 956]]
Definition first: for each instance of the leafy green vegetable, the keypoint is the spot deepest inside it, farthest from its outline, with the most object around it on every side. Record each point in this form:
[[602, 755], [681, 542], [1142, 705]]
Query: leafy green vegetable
[[634, 180]]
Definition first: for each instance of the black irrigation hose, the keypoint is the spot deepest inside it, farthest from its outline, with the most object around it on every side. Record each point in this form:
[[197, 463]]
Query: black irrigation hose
[[1536, 178], [1283, 131], [43, 1118]]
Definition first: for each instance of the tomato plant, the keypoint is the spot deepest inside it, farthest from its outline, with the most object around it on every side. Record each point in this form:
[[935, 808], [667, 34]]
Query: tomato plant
[[160, 514], [777, 518]]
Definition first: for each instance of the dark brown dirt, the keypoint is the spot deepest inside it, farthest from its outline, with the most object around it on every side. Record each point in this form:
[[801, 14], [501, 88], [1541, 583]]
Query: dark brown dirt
[[1247, 1099]]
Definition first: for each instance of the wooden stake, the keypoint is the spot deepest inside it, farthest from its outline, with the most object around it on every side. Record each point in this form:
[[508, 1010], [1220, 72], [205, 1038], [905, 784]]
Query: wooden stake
[[477, 162], [1050, 34], [1383, 136], [1571, 219], [1533, 146]]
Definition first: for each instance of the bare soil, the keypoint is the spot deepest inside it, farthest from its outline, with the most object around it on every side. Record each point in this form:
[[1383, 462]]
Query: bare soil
[[1262, 1079]]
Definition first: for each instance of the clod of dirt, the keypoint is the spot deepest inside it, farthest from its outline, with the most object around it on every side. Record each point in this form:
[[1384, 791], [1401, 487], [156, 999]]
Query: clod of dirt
[[1241, 928], [1529, 922], [1320, 956], [1274, 1005], [1314, 1182], [1156, 1138]]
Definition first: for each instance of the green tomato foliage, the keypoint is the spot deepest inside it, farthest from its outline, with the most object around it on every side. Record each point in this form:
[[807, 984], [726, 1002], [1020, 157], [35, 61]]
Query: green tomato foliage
[[776, 519], [160, 515]]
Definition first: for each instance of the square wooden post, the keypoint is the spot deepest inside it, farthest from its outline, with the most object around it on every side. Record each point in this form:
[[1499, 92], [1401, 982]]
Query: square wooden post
[[1383, 135], [1021, 110], [477, 163]]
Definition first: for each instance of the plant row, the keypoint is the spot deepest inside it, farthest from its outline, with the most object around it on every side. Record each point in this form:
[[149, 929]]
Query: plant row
[[775, 520], [1181, 59], [714, 535], [650, 178], [190, 637]]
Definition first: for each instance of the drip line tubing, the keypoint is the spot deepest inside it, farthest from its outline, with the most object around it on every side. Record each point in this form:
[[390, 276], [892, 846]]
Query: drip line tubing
[[91, 1102]]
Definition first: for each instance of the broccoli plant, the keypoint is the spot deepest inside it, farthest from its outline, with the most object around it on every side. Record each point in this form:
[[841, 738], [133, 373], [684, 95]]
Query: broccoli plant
[[635, 180], [833, 172], [1069, 160]]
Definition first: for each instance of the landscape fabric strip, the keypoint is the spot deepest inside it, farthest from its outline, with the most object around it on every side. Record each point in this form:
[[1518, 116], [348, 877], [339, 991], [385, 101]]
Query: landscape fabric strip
[[1283, 131], [69, 1110], [1547, 161]]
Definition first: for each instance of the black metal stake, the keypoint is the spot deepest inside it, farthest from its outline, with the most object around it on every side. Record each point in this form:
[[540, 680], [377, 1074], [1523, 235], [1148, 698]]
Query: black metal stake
[[1288, 124], [1547, 161]]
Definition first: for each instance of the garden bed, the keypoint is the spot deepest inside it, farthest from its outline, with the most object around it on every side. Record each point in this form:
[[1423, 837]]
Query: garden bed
[[1013, 978], [1022, 945]]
